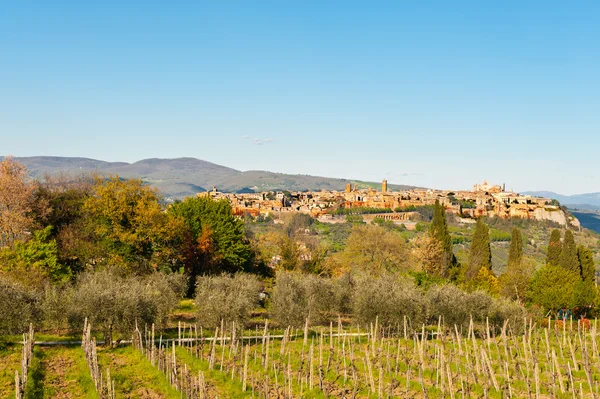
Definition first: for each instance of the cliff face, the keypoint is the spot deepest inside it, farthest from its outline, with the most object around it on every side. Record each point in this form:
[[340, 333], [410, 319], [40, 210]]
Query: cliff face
[[554, 215]]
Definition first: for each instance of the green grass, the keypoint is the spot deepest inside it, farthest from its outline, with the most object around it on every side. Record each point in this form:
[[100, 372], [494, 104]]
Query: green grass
[[34, 389], [134, 375], [221, 382], [186, 306], [59, 370], [10, 361]]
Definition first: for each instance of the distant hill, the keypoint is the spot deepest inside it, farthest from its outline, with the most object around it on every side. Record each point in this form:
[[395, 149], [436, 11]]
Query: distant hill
[[182, 177], [590, 201]]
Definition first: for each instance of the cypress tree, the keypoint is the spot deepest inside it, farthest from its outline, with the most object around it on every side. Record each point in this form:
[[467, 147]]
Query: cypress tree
[[554, 249], [587, 266], [480, 254], [568, 255], [585, 290], [515, 280], [515, 252], [439, 231]]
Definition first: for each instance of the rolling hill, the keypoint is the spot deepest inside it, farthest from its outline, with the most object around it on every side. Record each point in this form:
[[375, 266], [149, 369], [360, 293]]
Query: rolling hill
[[182, 177]]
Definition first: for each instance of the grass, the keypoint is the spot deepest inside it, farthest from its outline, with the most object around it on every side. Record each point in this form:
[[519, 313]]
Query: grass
[[221, 383], [34, 389], [134, 376], [392, 365], [59, 372], [10, 361]]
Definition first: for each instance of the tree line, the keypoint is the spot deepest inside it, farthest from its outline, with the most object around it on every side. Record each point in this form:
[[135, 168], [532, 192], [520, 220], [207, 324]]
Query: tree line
[[70, 242]]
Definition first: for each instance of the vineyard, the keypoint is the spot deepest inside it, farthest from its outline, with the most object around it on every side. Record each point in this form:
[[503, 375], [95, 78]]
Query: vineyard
[[528, 360]]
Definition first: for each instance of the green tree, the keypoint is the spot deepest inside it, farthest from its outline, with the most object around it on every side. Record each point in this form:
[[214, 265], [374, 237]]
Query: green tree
[[568, 255], [586, 297], [480, 254], [438, 230], [515, 252], [553, 287], [35, 262], [515, 280], [587, 264], [554, 248], [217, 242]]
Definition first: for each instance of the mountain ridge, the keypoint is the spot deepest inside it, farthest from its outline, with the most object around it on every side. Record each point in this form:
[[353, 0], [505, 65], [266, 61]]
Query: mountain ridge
[[181, 177]]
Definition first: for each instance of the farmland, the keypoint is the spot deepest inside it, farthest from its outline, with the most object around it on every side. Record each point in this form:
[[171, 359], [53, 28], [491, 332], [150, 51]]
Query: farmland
[[538, 359]]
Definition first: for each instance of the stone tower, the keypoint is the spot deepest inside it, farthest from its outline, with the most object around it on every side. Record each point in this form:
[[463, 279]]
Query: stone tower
[[384, 186], [348, 187]]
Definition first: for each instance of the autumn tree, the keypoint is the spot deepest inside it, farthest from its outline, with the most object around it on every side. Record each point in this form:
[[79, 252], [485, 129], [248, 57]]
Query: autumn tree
[[554, 248], [128, 222], [373, 249], [16, 202], [480, 255], [429, 252], [568, 256]]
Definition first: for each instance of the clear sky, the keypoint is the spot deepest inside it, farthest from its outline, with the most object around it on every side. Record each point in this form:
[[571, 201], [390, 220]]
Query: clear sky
[[440, 94]]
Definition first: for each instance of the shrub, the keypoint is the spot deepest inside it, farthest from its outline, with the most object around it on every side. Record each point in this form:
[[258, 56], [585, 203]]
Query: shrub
[[18, 307], [388, 297], [113, 303], [298, 297], [230, 298]]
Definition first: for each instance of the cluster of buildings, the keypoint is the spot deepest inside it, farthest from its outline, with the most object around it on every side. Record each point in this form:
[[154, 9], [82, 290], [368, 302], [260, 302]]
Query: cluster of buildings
[[483, 200]]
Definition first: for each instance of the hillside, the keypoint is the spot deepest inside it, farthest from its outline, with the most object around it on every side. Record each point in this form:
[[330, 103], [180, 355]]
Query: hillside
[[181, 177]]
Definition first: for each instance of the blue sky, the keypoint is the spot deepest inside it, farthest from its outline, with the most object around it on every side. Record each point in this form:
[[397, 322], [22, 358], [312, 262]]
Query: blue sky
[[434, 93]]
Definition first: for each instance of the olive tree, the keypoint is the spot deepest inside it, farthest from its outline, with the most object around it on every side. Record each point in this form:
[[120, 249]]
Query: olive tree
[[298, 297], [229, 298], [389, 298], [114, 304], [18, 307]]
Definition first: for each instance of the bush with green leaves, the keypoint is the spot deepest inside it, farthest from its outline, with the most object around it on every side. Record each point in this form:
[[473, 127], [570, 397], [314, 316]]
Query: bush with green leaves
[[19, 306], [389, 298], [298, 297], [230, 298], [114, 304]]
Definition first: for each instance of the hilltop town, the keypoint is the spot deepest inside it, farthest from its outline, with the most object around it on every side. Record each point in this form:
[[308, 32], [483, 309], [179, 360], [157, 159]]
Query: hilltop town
[[330, 206]]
